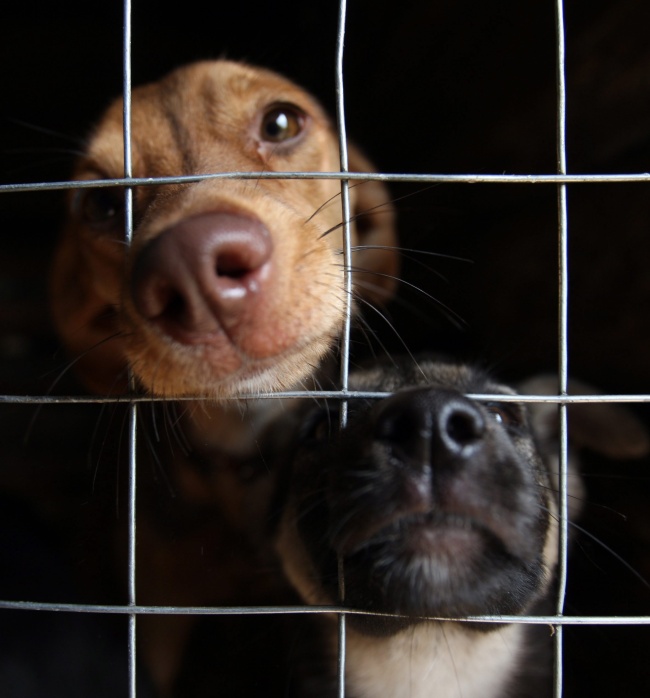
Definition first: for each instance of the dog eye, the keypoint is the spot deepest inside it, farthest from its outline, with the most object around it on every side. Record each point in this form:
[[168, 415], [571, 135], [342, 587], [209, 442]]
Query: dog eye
[[282, 123], [101, 209], [509, 415]]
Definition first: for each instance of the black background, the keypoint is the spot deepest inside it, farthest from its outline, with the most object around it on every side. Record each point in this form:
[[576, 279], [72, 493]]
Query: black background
[[438, 86]]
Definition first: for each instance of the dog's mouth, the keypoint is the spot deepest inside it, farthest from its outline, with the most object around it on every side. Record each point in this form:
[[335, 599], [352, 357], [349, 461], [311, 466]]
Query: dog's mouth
[[441, 564], [436, 564], [435, 533]]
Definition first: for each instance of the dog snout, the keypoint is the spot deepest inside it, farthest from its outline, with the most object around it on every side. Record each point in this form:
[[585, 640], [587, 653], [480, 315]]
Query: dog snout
[[201, 276], [429, 427]]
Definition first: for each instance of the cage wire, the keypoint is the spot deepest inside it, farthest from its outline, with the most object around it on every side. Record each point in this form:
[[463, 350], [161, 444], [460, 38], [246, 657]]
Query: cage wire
[[560, 180]]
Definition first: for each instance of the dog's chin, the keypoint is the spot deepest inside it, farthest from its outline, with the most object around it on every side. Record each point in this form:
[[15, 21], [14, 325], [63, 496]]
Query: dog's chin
[[224, 373], [435, 566]]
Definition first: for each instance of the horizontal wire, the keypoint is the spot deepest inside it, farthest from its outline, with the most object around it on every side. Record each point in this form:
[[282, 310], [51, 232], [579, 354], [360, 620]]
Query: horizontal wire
[[323, 394], [310, 610], [363, 176]]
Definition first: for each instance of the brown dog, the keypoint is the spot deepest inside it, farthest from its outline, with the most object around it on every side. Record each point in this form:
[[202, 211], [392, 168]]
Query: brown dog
[[230, 286]]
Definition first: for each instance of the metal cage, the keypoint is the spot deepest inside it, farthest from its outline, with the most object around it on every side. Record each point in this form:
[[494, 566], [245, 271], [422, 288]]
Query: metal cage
[[560, 181]]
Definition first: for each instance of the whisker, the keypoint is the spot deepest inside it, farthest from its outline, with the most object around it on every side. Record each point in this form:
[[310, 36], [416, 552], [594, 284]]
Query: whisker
[[159, 466], [368, 332], [107, 433], [430, 253], [352, 185], [394, 329], [57, 380], [78, 358], [378, 206], [48, 132], [619, 558], [451, 315]]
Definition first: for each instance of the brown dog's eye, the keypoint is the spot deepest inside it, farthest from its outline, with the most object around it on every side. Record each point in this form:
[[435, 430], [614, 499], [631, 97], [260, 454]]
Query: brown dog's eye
[[101, 209], [281, 123]]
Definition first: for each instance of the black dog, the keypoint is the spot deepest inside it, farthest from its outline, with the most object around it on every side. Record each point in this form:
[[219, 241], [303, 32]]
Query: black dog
[[438, 506]]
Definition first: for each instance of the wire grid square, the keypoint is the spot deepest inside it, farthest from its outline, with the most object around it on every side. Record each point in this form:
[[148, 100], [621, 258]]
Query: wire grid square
[[561, 180]]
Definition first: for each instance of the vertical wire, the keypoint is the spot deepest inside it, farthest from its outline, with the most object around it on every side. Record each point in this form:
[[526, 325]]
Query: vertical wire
[[132, 416], [347, 292], [563, 296], [345, 203]]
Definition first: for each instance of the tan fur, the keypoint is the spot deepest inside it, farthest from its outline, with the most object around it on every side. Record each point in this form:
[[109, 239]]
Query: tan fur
[[204, 118]]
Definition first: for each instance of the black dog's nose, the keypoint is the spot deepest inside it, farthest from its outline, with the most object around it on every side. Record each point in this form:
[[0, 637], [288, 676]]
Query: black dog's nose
[[460, 425], [427, 425]]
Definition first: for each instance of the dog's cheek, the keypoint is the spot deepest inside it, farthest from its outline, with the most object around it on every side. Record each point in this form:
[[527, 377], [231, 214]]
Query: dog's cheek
[[84, 296], [297, 564], [539, 500], [304, 300]]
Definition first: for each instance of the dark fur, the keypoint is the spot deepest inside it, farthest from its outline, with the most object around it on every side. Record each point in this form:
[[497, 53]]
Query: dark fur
[[439, 506]]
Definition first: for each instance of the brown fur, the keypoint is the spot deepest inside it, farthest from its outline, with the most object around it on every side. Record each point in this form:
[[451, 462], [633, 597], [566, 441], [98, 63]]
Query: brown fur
[[205, 118]]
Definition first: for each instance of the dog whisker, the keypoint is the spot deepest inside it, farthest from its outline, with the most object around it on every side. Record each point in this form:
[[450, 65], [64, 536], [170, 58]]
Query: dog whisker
[[451, 315], [402, 250], [62, 373], [382, 315], [418, 262], [371, 336], [608, 549], [384, 204], [333, 198], [71, 364]]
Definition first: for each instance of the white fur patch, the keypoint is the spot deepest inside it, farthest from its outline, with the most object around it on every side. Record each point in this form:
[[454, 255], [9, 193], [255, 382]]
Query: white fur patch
[[434, 659]]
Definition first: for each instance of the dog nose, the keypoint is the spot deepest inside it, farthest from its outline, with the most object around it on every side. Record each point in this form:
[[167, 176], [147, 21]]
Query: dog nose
[[429, 426], [199, 277]]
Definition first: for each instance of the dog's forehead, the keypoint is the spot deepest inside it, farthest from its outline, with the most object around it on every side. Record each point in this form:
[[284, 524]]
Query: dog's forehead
[[227, 80], [219, 93], [206, 94], [430, 373]]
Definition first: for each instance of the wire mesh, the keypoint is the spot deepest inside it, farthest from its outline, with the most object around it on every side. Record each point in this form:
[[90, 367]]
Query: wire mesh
[[561, 180]]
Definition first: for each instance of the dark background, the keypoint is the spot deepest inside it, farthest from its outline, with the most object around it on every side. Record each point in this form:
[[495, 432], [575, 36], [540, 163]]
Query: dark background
[[439, 86]]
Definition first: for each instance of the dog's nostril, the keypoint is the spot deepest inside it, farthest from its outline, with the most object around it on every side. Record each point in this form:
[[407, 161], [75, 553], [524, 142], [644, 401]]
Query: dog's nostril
[[231, 266], [461, 427], [175, 308]]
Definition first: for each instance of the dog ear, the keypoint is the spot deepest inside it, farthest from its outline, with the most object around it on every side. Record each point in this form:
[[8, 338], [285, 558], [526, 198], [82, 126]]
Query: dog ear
[[605, 428], [375, 259]]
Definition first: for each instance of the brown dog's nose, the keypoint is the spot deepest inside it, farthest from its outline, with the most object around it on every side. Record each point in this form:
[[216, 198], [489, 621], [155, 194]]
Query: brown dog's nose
[[427, 425], [200, 276]]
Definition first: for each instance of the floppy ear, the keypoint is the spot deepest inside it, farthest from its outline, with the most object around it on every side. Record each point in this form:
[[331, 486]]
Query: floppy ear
[[605, 428], [375, 259]]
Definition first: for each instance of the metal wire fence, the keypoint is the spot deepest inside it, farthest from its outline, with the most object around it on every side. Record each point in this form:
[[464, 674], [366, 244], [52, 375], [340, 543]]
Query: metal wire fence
[[560, 180]]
